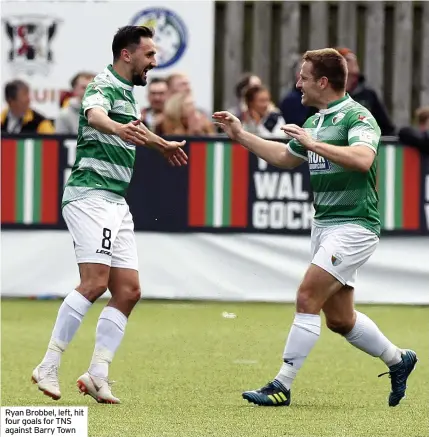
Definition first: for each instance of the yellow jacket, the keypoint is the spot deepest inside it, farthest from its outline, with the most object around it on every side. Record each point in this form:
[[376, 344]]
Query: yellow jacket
[[32, 122]]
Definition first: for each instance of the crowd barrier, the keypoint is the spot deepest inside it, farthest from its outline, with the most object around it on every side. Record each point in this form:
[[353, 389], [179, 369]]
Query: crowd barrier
[[223, 189]]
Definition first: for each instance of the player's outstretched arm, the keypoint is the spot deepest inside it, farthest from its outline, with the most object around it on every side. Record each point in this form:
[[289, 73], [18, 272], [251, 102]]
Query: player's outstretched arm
[[273, 152], [130, 132], [171, 150], [359, 157]]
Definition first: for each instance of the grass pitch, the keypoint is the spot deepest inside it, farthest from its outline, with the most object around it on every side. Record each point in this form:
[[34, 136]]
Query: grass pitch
[[182, 367]]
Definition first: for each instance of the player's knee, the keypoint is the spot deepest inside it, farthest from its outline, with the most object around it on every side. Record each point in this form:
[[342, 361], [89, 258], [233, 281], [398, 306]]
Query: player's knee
[[133, 294], [307, 302], [341, 327], [93, 288]]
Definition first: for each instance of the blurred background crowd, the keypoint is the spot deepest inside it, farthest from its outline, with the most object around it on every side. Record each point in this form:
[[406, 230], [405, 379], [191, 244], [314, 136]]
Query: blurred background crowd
[[172, 109]]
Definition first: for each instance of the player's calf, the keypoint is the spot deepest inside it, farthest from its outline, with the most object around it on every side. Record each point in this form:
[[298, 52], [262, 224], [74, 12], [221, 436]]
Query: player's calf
[[126, 300], [124, 284], [340, 326]]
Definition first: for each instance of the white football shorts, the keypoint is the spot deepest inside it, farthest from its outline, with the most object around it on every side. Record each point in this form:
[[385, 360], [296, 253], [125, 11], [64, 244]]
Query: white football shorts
[[102, 232], [341, 250]]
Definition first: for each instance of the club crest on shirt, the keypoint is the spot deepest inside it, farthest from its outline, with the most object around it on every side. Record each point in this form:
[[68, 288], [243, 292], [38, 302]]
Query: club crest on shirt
[[317, 162], [338, 117]]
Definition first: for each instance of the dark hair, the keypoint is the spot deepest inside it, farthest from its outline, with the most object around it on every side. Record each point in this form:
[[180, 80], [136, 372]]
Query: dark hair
[[85, 74], [158, 80], [128, 37], [11, 89], [252, 91], [328, 63], [242, 84]]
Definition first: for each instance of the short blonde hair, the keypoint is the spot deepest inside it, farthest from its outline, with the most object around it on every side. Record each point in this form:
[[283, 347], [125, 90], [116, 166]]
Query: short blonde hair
[[173, 76], [173, 106], [422, 114]]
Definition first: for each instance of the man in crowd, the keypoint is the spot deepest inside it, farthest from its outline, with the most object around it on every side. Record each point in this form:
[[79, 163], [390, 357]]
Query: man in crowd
[[419, 137], [18, 117], [360, 92], [68, 118], [157, 95]]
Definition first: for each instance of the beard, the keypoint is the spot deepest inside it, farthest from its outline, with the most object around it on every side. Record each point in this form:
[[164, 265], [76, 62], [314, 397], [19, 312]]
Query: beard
[[137, 80]]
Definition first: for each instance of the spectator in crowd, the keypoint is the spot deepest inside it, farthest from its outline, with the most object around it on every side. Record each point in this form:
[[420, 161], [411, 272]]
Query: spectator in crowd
[[67, 95], [293, 111], [157, 95], [180, 83], [182, 118], [67, 122], [260, 118], [247, 80], [419, 137], [363, 94], [18, 117]]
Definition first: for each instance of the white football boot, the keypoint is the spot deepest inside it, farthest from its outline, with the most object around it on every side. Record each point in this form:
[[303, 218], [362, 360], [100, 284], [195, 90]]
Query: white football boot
[[98, 388], [46, 378]]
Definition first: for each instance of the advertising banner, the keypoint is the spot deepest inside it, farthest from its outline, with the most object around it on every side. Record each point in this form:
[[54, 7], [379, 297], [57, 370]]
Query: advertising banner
[[47, 43], [223, 189]]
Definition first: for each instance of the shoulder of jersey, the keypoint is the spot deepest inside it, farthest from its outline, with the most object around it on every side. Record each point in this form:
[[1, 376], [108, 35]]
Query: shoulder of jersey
[[310, 122], [357, 108], [102, 79]]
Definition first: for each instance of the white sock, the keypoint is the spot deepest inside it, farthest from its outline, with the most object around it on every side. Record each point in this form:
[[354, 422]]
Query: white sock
[[109, 334], [302, 337], [367, 337], [69, 318]]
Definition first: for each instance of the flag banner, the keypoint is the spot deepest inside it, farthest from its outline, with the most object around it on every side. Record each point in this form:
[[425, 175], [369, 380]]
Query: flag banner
[[224, 188]]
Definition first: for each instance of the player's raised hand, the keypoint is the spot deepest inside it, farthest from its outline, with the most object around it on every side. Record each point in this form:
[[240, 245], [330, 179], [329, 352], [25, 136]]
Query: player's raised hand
[[299, 134], [229, 123], [132, 133]]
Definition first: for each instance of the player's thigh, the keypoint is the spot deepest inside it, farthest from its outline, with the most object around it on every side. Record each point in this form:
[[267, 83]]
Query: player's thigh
[[316, 287], [125, 246], [93, 224], [124, 281], [339, 310], [343, 249]]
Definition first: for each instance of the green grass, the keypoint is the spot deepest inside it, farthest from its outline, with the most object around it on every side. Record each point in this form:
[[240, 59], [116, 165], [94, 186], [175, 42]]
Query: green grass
[[182, 366]]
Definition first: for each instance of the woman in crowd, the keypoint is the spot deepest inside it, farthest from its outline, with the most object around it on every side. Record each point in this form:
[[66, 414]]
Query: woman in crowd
[[182, 118], [261, 118]]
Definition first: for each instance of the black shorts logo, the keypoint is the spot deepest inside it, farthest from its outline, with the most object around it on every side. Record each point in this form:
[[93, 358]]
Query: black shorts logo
[[104, 252]]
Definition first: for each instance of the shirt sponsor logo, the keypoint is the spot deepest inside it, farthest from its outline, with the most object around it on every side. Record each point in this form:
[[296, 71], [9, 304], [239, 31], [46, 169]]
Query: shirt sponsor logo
[[317, 162]]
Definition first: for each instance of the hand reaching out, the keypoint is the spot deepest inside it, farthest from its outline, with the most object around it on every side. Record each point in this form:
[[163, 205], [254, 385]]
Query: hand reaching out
[[299, 134], [229, 123], [174, 153]]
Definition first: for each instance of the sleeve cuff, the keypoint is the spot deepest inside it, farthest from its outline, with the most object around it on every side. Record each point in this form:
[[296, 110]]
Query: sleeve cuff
[[296, 153], [361, 143], [94, 106]]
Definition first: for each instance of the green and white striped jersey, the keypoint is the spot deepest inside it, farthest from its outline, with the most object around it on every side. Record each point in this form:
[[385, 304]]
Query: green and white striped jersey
[[104, 163], [341, 195]]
